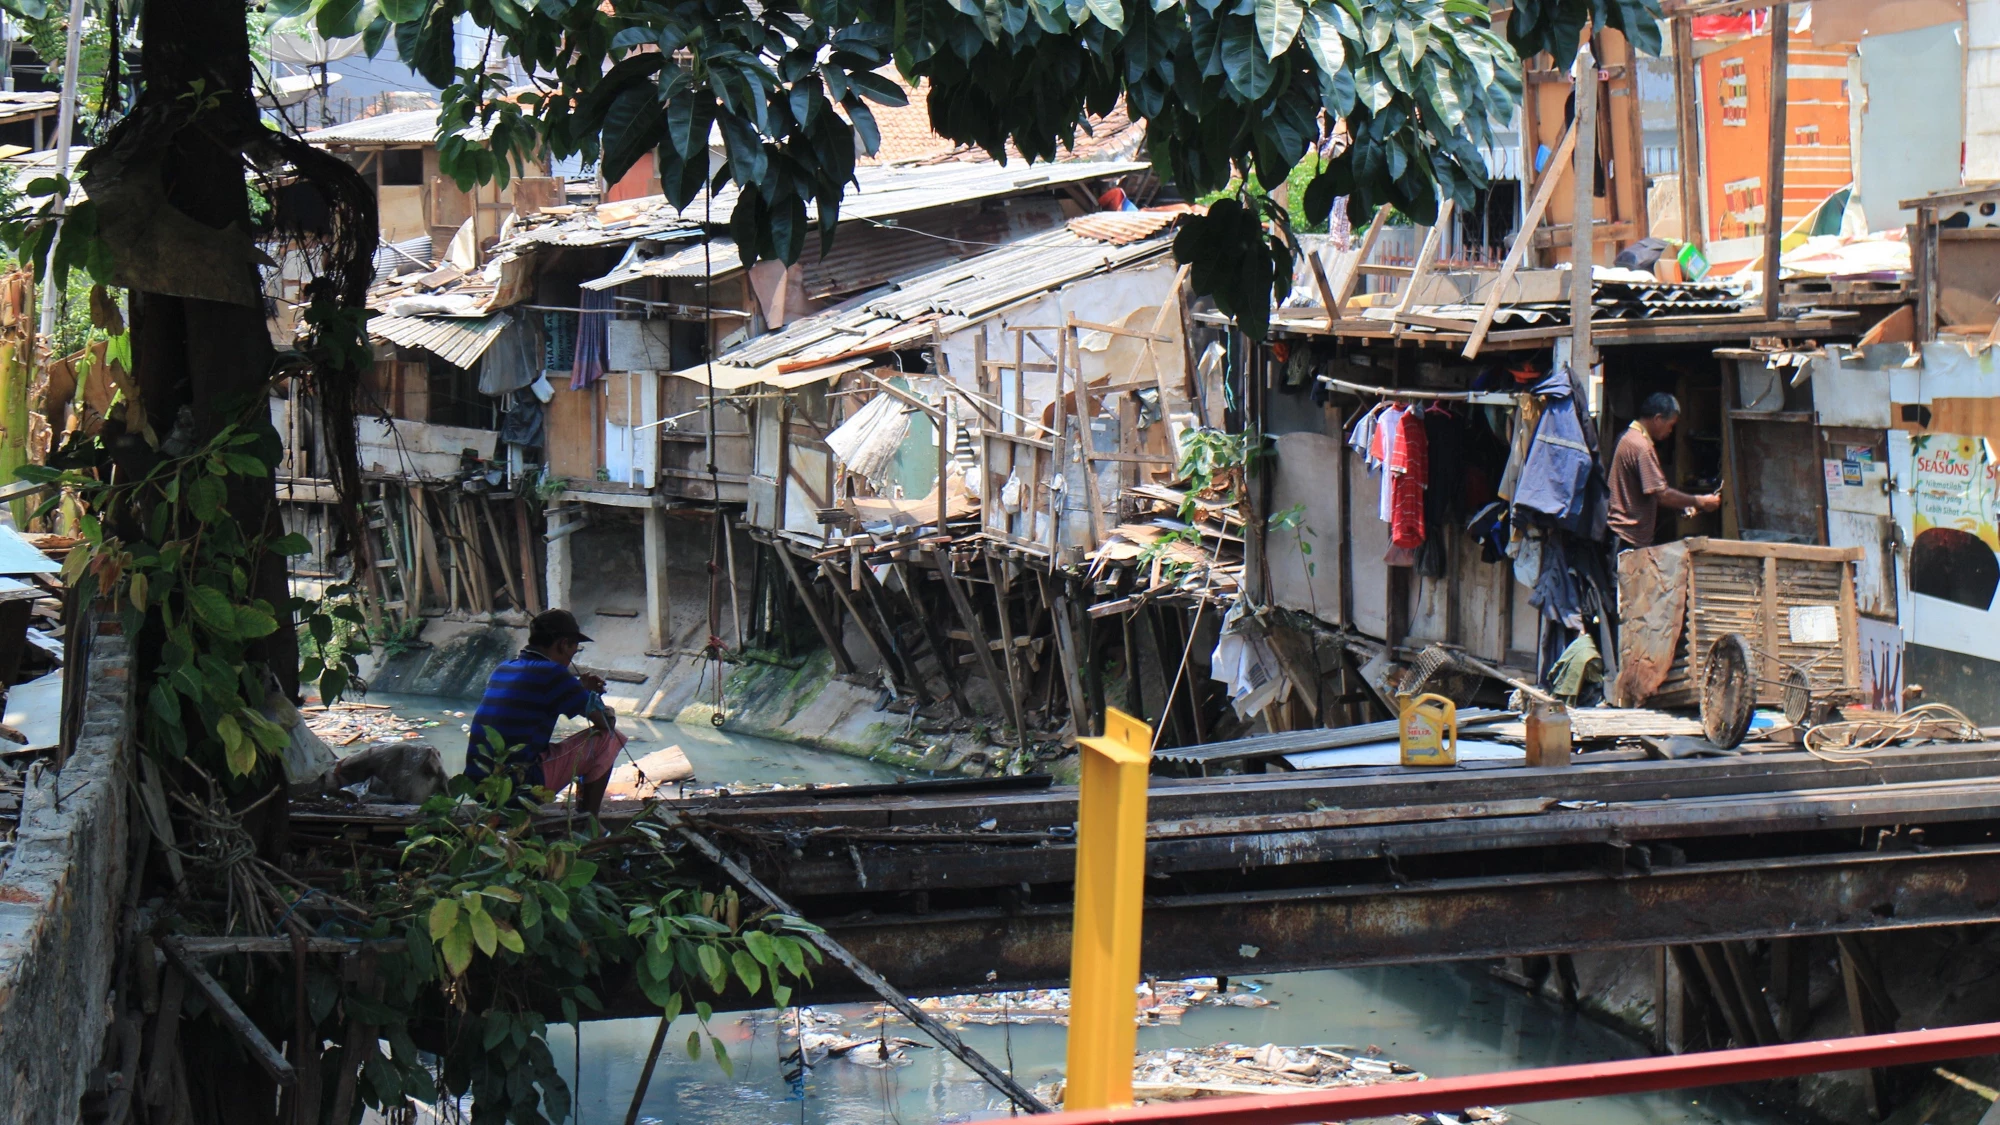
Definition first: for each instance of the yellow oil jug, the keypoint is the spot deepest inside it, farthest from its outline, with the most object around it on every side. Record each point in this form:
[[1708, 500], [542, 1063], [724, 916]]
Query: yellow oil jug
[[1428, 730]]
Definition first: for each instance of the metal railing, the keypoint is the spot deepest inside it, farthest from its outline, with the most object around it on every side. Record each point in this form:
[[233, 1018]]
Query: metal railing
[[1585, 1080]]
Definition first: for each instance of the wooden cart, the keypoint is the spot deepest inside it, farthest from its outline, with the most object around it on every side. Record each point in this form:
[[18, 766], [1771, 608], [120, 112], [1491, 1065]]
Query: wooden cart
[[1793, 604]]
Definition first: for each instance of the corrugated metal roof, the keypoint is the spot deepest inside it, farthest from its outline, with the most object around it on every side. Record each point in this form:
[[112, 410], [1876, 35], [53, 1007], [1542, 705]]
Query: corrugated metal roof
[[458, 340], [408, 127], [18, 556], [679, 260], [947, 297], [879, 193]]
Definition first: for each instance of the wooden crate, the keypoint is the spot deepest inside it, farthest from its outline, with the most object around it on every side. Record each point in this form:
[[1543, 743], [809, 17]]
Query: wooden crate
[[1735, 586]]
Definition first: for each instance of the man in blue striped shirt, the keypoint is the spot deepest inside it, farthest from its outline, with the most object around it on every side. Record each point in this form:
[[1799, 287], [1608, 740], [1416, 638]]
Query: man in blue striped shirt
[[525, 695]]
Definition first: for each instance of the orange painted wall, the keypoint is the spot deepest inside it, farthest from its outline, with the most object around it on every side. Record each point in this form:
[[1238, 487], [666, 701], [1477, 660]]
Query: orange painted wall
[[1736, 126]]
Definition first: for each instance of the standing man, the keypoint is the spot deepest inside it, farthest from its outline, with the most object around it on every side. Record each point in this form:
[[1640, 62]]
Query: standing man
[[1638, 485], [524, 697]]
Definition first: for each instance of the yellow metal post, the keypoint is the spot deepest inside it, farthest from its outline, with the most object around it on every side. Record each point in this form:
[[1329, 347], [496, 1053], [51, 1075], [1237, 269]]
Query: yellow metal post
[[1110, 886]]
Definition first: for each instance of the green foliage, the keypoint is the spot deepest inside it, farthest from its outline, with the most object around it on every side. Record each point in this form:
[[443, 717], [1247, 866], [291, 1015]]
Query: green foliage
[[52, 247], [333, 633], [1293, 519], [503, 918], [1231, 92], [190, 567]]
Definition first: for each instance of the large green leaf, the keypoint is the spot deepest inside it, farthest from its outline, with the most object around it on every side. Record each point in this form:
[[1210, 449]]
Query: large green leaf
[[1247, 68], [634, 125], [1278, 23]]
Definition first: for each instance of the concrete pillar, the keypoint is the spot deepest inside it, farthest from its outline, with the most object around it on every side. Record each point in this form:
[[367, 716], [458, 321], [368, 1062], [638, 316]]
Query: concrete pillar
[[659, 605], [559, 562]]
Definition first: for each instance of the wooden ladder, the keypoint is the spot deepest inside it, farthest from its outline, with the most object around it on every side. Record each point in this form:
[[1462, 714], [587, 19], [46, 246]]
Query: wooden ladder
[[382, 555]]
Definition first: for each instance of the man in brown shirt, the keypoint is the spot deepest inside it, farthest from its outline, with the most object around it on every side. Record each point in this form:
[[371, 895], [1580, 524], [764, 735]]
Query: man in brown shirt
[[1638, 485]]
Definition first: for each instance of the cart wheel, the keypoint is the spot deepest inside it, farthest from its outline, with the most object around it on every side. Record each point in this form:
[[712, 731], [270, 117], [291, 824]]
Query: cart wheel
[[1799, 709], [1728, 691]]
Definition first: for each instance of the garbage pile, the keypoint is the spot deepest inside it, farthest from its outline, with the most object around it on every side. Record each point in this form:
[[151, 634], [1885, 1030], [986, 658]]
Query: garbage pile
[[347, 723], [1161, 1003]]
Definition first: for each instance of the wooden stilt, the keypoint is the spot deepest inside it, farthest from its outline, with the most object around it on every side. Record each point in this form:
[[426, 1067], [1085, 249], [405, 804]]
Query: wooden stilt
[[531, 589], [934, 637], [828, 635], [996, 571], [969, 617], [884, 645], [1743, 975]]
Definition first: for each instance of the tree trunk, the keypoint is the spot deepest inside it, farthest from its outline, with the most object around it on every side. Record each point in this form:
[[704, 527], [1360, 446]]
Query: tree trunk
[[212, 358]]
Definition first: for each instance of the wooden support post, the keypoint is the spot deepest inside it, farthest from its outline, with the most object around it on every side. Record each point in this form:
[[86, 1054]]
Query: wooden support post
[[420, 525], [659, 600], [981, 650], [881, 627], [166, 1039], [1698, 1013], [491, 526], [1351, 280], [1517, 253], [224, 1008], [1743, 974], [1774, 166], [996, 572], [1869, 1012], [1566, 982], [1583, 219], [1791, 985], [1687, 132], [1426, 257], [1662, 1042], [1722, 991], [1082, 721], [934, 637], [828, 634], [524, 536]]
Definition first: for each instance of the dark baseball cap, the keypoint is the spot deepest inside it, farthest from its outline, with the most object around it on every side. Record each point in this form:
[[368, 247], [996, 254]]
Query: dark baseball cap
[[556, 624]]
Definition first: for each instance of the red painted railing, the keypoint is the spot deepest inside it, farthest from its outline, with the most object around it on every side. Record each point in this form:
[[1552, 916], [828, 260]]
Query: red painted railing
[[1588, 1080]]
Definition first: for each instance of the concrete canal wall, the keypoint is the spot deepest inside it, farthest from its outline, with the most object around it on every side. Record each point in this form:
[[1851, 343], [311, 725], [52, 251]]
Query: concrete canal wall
[[60, 896]]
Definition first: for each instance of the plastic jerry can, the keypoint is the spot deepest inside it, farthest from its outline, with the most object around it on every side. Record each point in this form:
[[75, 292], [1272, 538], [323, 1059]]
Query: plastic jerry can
[[1428, 730]]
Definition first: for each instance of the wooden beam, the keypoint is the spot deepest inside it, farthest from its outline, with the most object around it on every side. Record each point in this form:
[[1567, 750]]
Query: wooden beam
[[1583, 222], [1352, 278], [969, 618], [933, 636], [226, 1012], [1774, 166], [827, 635], [1433, 240], [996, 572], [1517, 252]]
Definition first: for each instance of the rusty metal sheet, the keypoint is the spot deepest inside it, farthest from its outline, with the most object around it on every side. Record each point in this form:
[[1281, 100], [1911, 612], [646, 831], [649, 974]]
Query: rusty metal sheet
[[1652, 606]]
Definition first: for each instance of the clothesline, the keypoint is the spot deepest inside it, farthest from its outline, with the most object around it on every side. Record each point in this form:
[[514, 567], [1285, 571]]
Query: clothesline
[[1481, 398]]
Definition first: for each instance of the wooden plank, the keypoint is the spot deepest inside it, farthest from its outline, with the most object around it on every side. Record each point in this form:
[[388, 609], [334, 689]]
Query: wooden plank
[[969, 618], [831, 638], [1741, 548], [884, 646], [1515, 255], [996, 572], [1583, 223], [1352, 278], [1773, 669], [1426, 257], [224, 1008], [933, 636], [1774, 164]]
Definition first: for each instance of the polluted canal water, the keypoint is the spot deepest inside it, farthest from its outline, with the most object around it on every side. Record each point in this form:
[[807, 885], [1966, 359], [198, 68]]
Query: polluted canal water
[[1440, 1020]]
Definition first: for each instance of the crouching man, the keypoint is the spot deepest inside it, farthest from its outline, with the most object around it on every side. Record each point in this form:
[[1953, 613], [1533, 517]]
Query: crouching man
[[523, 699]]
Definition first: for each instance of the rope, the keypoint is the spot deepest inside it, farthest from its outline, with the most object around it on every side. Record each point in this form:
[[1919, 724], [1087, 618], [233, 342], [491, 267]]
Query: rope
[[1858, 738]]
